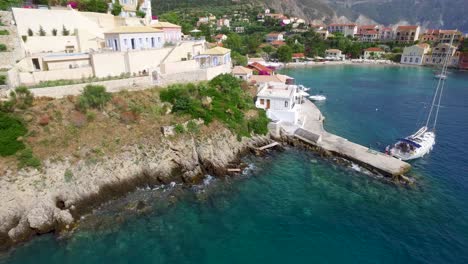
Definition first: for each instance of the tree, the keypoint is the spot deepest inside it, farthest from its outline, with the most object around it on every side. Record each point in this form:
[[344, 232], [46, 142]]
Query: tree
[[41, 31], [54, 32], [6, 4], [234, 42], [238, 59], [30, 32], [116, 8], [284, 53], [65, 31]]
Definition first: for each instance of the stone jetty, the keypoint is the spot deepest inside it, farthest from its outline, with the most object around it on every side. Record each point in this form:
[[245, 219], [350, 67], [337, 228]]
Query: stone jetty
[[311, 131]]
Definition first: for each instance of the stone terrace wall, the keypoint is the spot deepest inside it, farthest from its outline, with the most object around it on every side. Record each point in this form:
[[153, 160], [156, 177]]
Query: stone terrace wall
[[12, 41], [113, 86]]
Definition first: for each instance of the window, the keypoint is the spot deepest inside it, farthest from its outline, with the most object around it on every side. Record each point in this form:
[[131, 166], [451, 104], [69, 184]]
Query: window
[[126, 43], [286, 104], [405, 59], [262, 101], [410, 60], [133, 43], [159, 39], [152, 42], [416, 60]]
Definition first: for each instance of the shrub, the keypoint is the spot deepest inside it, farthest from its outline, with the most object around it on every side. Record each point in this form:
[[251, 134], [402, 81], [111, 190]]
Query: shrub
[[259, 125], [54, 32], [179, 129], [3, 47], [30, 32], [94, 96], [2, 78], [68, 175], [4, 32], [41, 31], [90, 116], [192, 127], [44, 120], [22, 97], [128, 117], [116, 8], [26, 158], [24, 38], [11, 128], [65, 31]]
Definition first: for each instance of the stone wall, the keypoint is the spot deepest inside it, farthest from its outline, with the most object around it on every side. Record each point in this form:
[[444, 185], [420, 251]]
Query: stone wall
[[12, 41], [112, 86]]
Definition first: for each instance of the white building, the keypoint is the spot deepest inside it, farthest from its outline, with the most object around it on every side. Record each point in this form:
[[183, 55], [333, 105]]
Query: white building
[[439, 53], [214, 57], [281, 101], [373, 53], [334, 54], [345, 29], [415, 54], [134, 38]]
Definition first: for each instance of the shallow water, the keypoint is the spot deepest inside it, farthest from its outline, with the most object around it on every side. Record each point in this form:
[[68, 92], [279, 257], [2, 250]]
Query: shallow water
[[294, 207]]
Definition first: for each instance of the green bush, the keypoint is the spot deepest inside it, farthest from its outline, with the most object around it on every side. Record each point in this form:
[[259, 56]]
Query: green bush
[[192, 127], [93, 96], [3, 47], [179, 129], [228, 103], [68, 175], [4, 32], [22, 97], [11, 128], [2, 79], [26, 158]]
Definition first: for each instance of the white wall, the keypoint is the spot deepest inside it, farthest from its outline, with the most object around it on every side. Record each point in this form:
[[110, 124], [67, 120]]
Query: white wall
[[109, 64], [38, 44], [178, 67], [30, 78]]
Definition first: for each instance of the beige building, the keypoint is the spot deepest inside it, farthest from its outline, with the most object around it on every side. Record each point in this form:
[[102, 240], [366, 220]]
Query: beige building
[[407, 34], [414, 55], [440, 52], [242, 73]]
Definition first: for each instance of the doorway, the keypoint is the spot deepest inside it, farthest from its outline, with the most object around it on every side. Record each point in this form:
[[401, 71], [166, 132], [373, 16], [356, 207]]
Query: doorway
[[268, 104]]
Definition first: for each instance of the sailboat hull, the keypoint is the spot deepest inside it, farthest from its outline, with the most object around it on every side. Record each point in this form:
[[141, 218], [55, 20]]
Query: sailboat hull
[[414, 147]]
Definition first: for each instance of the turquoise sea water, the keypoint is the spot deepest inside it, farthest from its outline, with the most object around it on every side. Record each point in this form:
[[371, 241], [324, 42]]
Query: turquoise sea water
[[293, 207]]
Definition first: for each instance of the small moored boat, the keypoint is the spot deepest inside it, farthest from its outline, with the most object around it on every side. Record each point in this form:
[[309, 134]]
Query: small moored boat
[[318, 97]]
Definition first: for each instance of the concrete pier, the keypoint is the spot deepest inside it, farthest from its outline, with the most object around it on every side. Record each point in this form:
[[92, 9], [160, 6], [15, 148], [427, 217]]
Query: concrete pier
[[311, 131]]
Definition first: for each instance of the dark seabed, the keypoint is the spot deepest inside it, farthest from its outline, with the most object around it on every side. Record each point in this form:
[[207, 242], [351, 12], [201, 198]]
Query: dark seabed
[[293, 207]]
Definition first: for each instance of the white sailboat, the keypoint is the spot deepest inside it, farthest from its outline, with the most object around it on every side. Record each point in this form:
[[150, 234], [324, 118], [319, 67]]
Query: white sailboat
[[423, 141]]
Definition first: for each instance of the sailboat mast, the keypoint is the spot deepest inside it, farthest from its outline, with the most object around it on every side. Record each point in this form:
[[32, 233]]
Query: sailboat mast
[[440, 81], [443, 84]]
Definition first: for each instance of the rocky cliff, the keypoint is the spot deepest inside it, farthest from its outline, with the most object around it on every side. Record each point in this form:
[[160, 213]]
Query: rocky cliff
[[36, 202]]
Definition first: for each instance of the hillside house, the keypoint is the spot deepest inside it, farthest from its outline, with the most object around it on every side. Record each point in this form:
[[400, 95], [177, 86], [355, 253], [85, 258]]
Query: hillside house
[[414, 55], [373, 53], [407, 34], [134, 38], [274, 36], [281, 101]]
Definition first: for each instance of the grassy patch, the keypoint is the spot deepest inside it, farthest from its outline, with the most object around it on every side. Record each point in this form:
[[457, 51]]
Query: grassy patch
[[11, 128], [3, 47], [4, 32], [26, 158], [220, 99]]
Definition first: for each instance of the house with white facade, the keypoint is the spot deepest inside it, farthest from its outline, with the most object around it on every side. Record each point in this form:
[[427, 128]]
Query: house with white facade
[[281, 101], [415, 54], [373, 53], [345, 29], [214, 57], [334, 54], [134, 38]]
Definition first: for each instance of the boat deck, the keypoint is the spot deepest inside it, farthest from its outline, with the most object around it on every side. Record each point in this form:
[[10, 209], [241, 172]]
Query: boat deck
[[312, 132]]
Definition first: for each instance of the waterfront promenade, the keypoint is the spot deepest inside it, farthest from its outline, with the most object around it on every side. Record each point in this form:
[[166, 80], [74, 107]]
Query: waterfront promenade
[[312, 132]]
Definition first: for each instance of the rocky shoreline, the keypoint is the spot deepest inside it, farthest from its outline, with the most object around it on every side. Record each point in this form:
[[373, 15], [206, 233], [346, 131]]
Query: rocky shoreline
[[36, 202]]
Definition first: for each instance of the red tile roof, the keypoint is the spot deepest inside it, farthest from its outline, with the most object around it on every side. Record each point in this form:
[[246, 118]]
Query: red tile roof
[[278, 43], [373, 32], [298, 55], [407, 27], [374, 49], [260, 68]]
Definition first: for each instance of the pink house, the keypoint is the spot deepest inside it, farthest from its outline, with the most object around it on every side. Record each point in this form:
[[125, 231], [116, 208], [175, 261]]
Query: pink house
[[172, 32]]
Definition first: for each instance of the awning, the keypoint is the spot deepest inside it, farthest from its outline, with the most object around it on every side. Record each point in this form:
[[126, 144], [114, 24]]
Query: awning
[[412, 143]]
